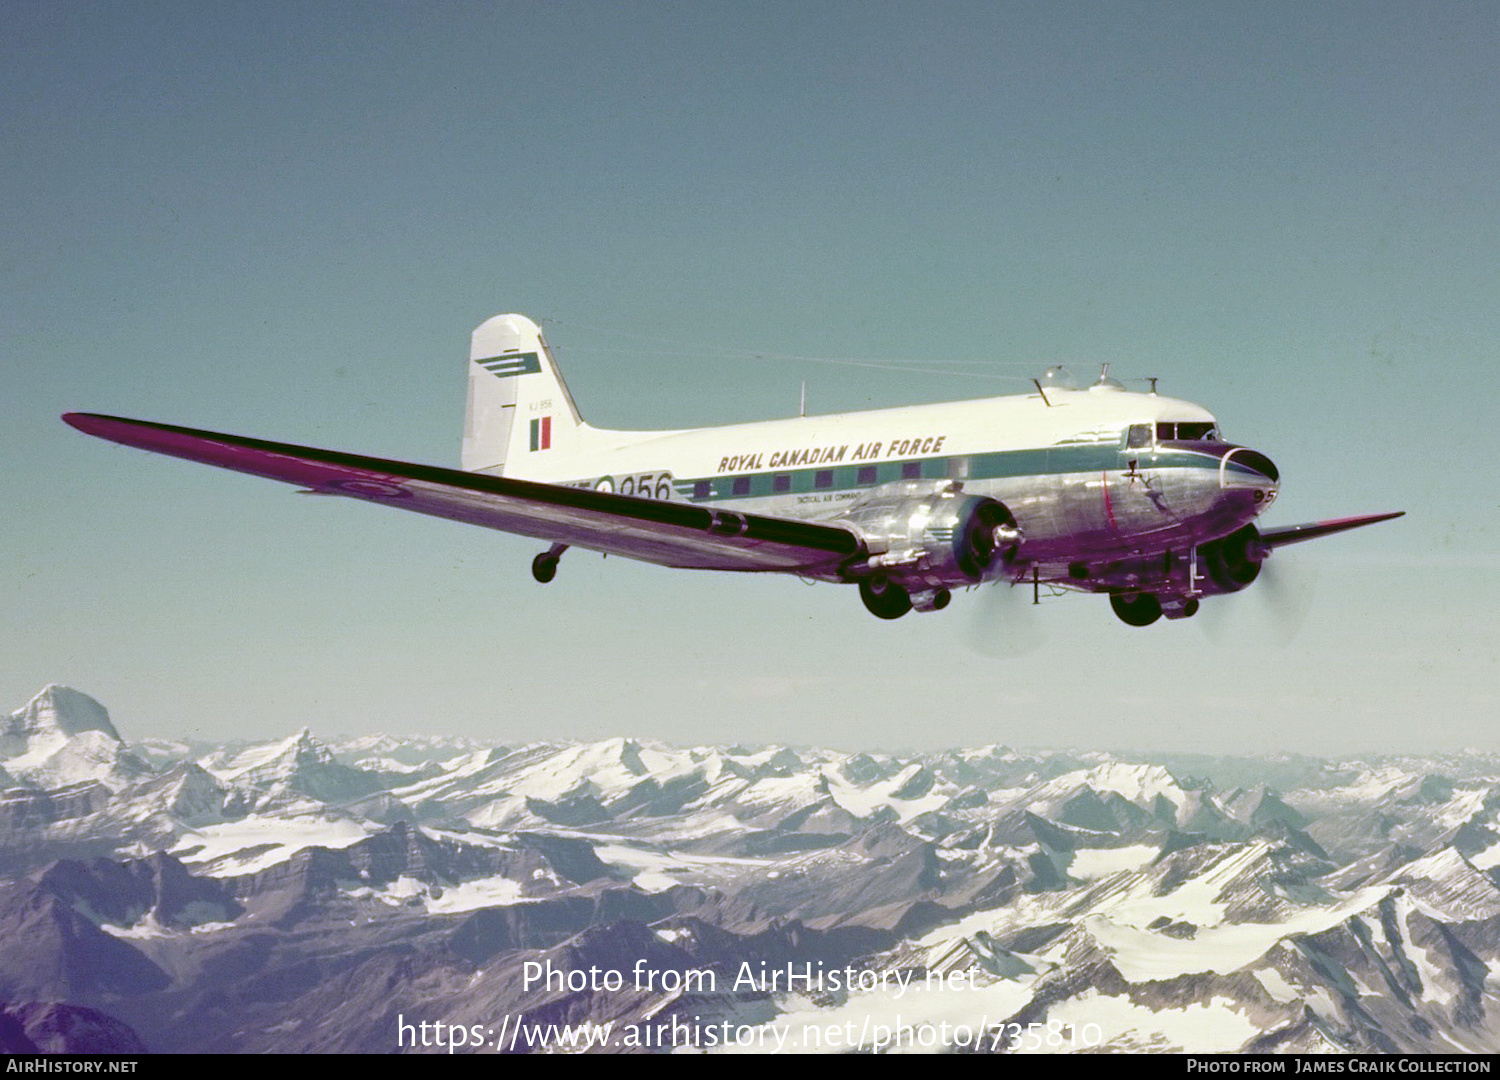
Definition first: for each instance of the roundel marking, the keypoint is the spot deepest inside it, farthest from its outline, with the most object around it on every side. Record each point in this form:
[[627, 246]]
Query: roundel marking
[[372, 489]]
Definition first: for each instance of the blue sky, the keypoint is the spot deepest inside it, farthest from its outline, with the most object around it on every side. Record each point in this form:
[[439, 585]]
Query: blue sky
[[283, 220]]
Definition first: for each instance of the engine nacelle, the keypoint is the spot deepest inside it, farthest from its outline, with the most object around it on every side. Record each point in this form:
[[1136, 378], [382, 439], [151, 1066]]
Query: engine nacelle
[[932, 537], [1233, 561]]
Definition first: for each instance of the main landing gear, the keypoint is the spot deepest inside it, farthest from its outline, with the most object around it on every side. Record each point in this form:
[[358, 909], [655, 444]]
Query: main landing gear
[[1136, 609], [884, 598], [544, 566], [1143, 609]]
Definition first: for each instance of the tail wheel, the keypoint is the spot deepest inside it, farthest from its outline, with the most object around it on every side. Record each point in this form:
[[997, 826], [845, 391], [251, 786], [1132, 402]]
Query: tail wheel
[[544, 566], [884, 598], [1136, 609]]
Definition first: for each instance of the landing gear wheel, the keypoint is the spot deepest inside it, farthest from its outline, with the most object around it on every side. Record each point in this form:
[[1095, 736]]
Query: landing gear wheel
[[544, 566], [1136, 609], [884, 598]]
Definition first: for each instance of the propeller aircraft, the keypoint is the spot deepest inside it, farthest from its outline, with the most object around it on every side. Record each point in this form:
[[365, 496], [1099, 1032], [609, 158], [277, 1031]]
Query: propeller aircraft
[[1134, 496]]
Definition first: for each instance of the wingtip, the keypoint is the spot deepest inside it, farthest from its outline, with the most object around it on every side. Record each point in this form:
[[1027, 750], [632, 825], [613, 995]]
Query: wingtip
[[88, 423], [101, 426]]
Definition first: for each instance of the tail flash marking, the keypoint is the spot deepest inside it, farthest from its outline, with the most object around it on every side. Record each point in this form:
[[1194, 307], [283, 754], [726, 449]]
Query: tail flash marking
[[515, 364]]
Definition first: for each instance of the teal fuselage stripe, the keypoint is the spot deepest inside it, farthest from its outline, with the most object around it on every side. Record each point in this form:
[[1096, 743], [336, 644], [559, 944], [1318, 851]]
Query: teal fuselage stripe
[[1005, 464]]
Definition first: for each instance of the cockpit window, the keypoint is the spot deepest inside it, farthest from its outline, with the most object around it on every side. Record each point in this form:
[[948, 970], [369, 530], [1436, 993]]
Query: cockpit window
[[1138, 437], [1186, 430]]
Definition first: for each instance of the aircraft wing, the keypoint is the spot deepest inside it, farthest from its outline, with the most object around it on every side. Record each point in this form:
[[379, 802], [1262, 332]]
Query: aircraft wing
[[669, 533], [1295, 534]]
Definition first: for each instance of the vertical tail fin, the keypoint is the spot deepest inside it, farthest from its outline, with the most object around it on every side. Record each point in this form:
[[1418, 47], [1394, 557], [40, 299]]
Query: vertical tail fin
[[518, 404]]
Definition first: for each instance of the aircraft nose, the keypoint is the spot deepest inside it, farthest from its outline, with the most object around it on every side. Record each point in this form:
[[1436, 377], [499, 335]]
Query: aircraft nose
[[1245, 469]]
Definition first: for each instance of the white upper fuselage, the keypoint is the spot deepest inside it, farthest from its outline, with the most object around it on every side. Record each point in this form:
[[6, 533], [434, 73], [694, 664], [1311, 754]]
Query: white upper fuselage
[[946, 429]]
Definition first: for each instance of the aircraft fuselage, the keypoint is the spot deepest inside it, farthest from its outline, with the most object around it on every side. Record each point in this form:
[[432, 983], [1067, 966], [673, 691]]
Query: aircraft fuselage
[[1092, 477]]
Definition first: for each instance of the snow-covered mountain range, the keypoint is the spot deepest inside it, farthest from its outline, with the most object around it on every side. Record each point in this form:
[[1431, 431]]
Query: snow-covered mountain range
[[310, 895]]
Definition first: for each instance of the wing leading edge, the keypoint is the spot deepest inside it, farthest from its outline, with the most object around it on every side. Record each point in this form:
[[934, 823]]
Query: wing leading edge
[[668, 533], [1295, 534]]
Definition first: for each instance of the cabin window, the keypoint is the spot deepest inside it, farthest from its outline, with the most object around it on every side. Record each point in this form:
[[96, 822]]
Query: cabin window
[[866, 474], [1166, 431], [823, 478], [911, 470], [742, 485], [782, 483], [1138, 437], [702, 489]]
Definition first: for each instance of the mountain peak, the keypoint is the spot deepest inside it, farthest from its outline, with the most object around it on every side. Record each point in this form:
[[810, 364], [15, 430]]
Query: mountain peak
[[56, 714], [72, 710]]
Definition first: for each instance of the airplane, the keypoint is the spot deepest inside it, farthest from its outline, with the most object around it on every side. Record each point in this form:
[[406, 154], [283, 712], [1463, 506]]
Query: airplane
[[1095, 488]]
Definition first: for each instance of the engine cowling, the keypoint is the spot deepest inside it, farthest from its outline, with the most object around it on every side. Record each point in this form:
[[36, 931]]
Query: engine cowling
[[1233, 561], [933, 538]]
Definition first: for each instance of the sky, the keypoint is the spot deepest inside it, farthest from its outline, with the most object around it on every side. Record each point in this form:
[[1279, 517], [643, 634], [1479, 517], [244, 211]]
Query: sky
[[284, 220]]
